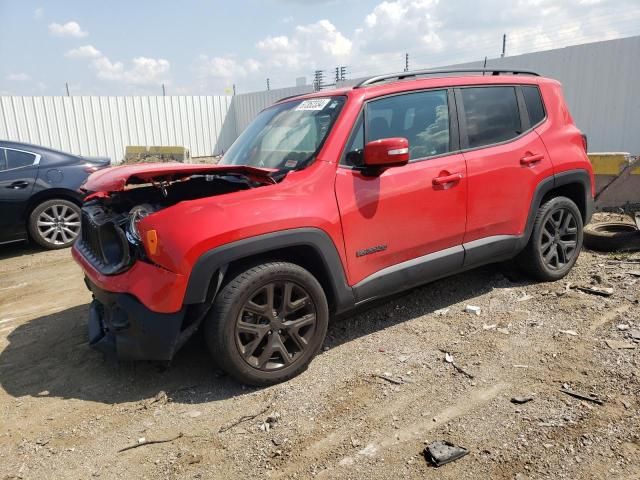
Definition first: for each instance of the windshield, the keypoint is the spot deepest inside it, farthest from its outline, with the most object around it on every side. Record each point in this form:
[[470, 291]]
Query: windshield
[[287, 136]]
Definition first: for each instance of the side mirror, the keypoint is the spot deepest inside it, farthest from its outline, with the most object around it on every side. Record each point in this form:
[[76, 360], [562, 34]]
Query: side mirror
[[386, 152]]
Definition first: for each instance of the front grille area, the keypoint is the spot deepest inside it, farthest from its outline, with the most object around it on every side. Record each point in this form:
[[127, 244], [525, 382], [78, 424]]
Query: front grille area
[[102, 242]]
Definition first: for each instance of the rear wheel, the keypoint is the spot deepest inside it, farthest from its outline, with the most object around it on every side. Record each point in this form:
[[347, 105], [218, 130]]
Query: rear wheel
[[55, 223], [555, 241], [267, 323]]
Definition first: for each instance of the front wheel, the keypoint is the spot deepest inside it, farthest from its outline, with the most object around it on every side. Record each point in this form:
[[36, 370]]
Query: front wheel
[[556, 240], [267, 323]]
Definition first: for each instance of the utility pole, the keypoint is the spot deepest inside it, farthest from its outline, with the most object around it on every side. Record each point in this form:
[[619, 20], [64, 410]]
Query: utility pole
[[504, 44], [343, 73], [406, 62], [164, 91], [268, 85], [66, 85], [234, 89], [318, 80], [337, 75], [485, 65]]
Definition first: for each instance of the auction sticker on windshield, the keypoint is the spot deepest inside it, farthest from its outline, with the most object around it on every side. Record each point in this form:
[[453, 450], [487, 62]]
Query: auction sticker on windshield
[[314, 104]]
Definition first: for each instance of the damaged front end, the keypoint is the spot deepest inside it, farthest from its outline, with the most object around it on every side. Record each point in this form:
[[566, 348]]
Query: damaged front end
[[137, 311]]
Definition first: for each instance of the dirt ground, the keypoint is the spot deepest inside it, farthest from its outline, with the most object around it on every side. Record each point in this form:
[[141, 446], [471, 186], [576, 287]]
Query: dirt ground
[[66, 412]]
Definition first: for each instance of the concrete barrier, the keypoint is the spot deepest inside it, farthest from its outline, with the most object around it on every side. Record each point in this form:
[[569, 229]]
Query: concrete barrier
[[140, 154], [617, 179]]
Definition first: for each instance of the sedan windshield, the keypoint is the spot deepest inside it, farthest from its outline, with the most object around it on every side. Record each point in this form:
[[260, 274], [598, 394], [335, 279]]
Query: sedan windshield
[[287, 136]]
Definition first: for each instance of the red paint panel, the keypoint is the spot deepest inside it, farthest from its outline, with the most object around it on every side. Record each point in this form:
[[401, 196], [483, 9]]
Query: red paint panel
[[402, 209]]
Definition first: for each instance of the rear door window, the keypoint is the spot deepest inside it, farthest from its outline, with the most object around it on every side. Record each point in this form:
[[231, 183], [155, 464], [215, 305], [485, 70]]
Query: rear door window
[[491, 115], [533, 101], [16, 158]]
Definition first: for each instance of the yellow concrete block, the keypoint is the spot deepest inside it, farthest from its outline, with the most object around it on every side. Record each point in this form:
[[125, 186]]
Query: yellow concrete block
[[132, 150], [608, 163]]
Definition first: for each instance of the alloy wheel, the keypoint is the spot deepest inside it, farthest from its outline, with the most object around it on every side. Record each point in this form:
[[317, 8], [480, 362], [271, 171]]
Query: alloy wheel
[[276, 325], [59, 224], [559, 239]]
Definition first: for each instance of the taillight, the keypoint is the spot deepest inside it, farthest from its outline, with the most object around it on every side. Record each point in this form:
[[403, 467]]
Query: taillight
[[585, 144]]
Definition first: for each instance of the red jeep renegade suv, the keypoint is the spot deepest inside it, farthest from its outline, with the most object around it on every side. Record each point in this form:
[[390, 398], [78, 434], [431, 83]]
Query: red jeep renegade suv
[[328, 201]]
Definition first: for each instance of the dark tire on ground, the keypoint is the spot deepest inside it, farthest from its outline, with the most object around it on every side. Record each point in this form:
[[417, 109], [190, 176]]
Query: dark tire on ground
[[54, 223], [612, 236], [257, 336], [555, 242]]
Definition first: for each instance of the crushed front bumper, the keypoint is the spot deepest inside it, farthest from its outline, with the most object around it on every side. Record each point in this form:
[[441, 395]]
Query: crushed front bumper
[[121, 325]]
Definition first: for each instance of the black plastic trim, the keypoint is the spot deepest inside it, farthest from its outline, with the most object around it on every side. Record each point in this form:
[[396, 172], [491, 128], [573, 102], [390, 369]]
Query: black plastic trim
[[409, 274], [120, 325], [211, 261], [490, 249], [545, 186]]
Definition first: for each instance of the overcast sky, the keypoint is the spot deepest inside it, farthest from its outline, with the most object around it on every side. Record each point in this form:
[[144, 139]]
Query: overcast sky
[[119, 47]]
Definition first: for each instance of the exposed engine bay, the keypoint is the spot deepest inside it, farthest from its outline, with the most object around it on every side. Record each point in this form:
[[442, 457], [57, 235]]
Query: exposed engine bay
[[110, 239]]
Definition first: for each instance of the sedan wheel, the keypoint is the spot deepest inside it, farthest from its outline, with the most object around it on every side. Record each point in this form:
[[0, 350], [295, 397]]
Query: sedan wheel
[[55, 224]]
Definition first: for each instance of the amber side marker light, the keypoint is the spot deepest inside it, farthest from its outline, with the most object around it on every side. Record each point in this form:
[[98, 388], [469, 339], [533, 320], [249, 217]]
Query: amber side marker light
[[152, 242]]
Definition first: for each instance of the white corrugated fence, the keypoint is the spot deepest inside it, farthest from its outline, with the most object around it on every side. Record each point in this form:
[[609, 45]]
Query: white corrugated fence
[[104, 126]]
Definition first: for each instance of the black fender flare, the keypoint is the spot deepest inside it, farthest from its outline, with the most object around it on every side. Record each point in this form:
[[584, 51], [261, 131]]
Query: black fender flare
[[213, 260], [578, 176]]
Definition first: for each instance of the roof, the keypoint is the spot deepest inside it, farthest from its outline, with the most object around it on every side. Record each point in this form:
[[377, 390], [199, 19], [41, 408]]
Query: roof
[[406, 81]]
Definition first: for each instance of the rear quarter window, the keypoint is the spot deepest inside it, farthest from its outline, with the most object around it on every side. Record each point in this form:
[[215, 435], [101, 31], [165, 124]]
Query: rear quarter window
[[16, 159], [533, 101]]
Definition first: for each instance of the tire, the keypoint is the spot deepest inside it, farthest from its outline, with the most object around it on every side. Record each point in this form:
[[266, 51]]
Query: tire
[[555, 242], [55, 224], [258, 341], [612, 236]]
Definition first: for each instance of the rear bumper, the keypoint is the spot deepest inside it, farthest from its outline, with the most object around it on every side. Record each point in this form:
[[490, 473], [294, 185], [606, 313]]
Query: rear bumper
[[121, 325]]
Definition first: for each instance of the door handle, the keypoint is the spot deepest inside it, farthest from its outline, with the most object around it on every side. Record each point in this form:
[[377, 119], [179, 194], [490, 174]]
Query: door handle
[[444, 179], [529, 159], [18, 185]]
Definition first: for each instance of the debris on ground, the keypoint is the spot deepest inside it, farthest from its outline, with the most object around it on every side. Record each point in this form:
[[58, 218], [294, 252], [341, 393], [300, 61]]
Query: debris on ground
[[243, 419], [473, 309], [620, 345], [388, 378], [602, 291], [449, 359], [150, 442], [521, 399], [441, 312], [582, 396], [442, 452], [573, 333]]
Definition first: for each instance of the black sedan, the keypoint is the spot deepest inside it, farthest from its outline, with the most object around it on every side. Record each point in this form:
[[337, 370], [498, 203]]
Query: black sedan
[[39, 193]]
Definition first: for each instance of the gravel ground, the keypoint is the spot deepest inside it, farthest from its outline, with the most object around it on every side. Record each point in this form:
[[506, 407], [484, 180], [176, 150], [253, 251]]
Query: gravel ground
[[365, 408]]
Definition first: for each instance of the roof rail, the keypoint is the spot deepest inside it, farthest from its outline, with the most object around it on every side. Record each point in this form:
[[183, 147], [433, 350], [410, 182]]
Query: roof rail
[[419, 73]]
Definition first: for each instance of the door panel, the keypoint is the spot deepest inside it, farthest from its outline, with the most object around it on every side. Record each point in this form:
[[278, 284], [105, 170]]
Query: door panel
[[405, 212], [501, 186], [16, 186], [504, 164], [401, 214]]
